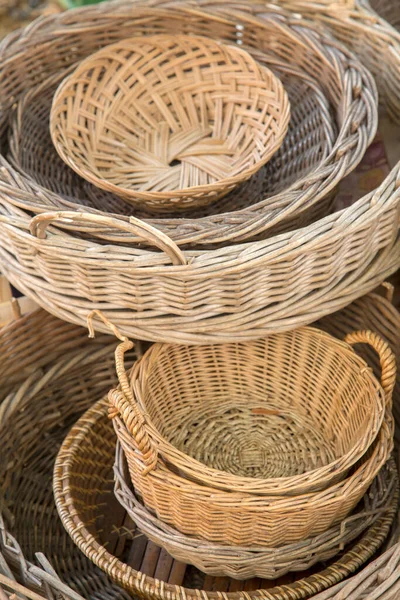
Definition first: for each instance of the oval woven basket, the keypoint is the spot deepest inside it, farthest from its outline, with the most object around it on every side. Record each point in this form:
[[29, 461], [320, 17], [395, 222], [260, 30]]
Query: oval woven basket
[[238, 563], [257, 417], [177, 121], [326, 62], [309, 140], [23, 537]]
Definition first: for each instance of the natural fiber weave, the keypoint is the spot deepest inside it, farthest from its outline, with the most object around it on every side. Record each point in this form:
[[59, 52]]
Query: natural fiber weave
[[318, 57], [38, 510], [369, 36], [245, 519], [71, 481], [288, 414], [238, 292], [169, 121], [245, 563], [309, 140]]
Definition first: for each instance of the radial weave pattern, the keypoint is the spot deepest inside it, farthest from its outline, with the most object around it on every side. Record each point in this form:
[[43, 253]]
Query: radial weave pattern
[[169, 119]]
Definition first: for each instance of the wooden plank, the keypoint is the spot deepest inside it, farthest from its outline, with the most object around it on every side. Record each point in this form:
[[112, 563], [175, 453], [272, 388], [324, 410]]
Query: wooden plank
[[164, 566], [150, 559], [177, 573]]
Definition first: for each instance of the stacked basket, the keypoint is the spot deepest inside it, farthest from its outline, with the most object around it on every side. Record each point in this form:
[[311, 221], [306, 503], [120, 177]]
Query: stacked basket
[[168, 172]]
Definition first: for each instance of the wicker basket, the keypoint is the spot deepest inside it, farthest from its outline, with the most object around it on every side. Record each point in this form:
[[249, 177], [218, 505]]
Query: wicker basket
[[177, 121], [284, 415], [245, 563], [233, 518], [325, 62], [35, 527], [310, 138]]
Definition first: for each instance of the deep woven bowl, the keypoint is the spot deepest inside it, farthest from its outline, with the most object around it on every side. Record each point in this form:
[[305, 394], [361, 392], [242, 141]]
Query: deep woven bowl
[[169, 121], [286, 414]]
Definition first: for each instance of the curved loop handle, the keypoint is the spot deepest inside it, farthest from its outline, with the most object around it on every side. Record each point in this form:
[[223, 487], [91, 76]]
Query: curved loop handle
[[386, 358], [135, 424], [122, 401], [136, 227]]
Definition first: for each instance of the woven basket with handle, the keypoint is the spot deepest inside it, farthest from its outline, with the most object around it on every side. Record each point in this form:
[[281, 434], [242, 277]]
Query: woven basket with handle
[[36, 341], [245, 291], [232, 517], [284, 415], [177, 121]]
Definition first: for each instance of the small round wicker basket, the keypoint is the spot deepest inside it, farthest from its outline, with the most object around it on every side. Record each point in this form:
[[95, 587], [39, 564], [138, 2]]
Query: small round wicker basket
[[169, 121]]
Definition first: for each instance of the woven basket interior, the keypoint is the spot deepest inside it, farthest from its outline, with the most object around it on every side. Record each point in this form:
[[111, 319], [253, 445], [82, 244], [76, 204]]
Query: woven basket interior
[[169, 120], [308, 141], [275, 407]]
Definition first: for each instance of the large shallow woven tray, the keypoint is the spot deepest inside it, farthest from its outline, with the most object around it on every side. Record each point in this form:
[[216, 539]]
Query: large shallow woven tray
[[24, 537], [325, 61]]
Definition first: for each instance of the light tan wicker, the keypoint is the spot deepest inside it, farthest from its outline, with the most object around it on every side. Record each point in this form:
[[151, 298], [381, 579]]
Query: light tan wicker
[[148, 572], [362, 29], [169, 121], [320, 58], [287, 414], [74, 489], [243, 563], [239, 518]]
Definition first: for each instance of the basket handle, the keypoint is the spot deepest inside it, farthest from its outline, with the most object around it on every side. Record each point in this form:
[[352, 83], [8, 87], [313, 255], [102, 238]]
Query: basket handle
[[386, 358], [135, 227], [122, 401]]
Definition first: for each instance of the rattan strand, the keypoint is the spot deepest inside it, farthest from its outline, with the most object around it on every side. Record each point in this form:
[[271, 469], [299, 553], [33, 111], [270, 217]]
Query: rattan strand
[[309, 141], [169, 121], [284, 415], [347, 85], [372, 38], [373, 312]]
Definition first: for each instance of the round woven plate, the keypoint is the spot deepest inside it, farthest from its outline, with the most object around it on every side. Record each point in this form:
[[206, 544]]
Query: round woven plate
[[169, 121]]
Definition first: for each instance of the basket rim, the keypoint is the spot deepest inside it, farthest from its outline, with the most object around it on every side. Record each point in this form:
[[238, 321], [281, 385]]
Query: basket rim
[[85, 65]]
